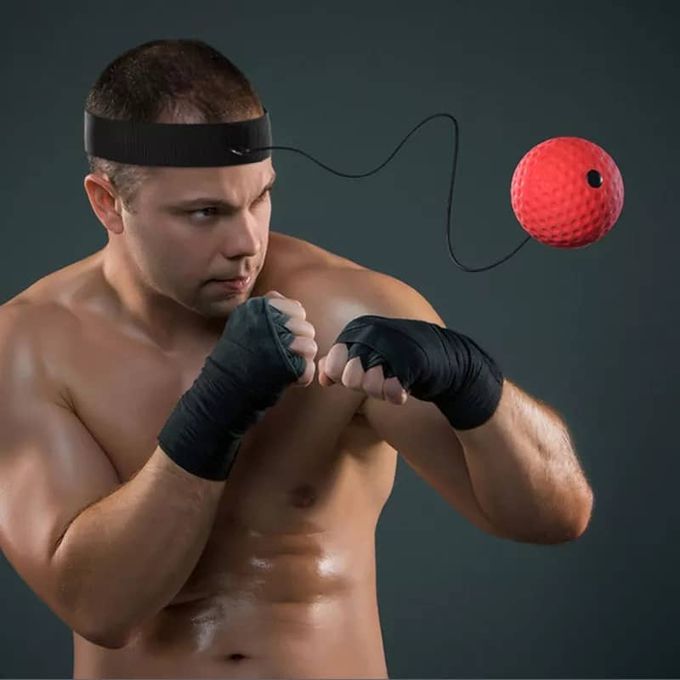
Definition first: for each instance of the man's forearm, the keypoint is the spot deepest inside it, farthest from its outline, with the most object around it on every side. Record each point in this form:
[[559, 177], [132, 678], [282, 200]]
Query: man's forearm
[[125, 557], [525, 473]]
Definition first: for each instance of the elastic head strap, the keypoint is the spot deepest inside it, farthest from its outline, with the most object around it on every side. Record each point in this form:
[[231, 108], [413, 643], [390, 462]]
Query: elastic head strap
[[178, 144]]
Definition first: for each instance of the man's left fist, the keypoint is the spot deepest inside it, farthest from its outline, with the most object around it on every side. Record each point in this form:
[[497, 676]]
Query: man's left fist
[[398, 357], [337, 368]]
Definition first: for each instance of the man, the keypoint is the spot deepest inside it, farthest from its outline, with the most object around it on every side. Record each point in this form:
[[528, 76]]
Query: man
[[181, 492]]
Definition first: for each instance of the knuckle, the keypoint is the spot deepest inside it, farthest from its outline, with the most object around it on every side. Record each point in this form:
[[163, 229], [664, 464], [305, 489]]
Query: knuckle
[[295, 312]]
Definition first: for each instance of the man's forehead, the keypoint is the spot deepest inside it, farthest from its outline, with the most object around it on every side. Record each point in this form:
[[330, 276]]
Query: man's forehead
[[247, 177]]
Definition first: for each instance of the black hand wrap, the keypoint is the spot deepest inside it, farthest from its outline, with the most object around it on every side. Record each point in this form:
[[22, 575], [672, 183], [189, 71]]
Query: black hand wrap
[[432, 363], [245, 374]]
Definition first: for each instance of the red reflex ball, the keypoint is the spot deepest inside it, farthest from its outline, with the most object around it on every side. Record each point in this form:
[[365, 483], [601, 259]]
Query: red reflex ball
[[567, 192]]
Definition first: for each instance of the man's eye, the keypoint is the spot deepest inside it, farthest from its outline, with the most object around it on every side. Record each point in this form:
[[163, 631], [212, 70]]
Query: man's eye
[[203, 214], [264, 195], [210, 213]]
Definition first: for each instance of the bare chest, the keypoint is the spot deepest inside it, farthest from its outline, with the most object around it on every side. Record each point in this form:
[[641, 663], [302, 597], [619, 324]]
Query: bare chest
[[308, 461]]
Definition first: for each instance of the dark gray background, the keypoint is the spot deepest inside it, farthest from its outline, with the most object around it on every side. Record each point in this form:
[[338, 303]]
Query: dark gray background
[[594, 332]]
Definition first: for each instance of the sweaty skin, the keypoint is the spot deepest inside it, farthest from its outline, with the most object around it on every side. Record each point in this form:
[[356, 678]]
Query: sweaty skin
[[286, 583]]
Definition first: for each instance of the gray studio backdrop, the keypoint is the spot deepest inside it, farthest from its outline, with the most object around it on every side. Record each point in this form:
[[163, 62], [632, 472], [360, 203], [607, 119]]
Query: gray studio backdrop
[[594, 332]]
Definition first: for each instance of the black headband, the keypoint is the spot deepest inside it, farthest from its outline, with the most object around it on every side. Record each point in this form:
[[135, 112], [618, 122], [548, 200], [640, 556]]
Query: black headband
[[178, 144]]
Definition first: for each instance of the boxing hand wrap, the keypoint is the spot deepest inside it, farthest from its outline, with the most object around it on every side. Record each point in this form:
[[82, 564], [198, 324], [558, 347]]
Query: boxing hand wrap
[[246, 373], [432, 363]]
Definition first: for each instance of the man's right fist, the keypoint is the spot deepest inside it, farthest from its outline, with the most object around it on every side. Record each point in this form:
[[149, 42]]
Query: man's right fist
[[303, 344], [265, 347]]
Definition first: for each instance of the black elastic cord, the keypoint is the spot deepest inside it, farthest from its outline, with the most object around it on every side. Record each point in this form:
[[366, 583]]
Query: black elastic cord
[[245, 150]]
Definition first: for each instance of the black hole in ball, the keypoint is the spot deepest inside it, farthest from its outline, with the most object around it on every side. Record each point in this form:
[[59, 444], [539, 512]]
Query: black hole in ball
[[594, 179]]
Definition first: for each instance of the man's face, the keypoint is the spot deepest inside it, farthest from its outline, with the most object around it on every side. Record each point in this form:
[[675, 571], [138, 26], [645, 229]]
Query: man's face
[[190, 226]]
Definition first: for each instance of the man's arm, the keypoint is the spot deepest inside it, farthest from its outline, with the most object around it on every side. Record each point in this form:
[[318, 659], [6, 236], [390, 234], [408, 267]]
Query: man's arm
[[519, 467], [103, 556], [525, 471]]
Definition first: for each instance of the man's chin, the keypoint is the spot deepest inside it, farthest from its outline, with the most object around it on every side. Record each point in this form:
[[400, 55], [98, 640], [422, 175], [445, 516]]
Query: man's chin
[[216, 300], [221, 307]]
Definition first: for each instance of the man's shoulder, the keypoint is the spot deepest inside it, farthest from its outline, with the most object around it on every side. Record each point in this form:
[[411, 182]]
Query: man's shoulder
[[352, 288], [23, 319], [33, 338], [35, 314], [28, 323], [47, 308], [61, 285], [317, 275], [334, 291], [289, 255], [310, 270]]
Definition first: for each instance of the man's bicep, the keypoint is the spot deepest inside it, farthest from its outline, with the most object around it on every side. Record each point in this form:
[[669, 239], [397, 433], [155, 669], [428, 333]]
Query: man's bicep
[[50, 468], [427, 442]]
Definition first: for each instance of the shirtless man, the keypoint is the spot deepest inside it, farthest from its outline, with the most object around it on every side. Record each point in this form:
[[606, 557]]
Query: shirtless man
[[238, 542]]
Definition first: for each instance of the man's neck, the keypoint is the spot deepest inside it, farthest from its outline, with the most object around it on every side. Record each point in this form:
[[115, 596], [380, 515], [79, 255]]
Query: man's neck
[[159, 319]]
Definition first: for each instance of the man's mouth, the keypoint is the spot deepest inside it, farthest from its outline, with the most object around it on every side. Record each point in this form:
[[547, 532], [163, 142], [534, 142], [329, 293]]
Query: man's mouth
[[238, 283]]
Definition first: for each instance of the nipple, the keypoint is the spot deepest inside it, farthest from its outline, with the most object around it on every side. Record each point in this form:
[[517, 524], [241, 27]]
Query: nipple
[[303, 496]]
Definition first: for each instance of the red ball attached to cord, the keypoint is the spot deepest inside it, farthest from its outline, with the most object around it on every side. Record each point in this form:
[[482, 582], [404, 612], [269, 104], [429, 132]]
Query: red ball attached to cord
[[567, 192]]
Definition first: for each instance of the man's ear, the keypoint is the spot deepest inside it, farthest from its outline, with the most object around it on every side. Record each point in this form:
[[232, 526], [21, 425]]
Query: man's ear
[[105, 201]]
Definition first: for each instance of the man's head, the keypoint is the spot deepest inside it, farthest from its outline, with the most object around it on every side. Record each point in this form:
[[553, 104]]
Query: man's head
[[175, 229]]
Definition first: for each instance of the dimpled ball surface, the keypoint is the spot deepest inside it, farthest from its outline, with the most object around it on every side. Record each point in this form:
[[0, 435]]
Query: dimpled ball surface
[[553, 199]]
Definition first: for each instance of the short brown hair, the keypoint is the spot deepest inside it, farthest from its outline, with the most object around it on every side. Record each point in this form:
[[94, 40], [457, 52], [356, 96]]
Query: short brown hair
[[187, 80]]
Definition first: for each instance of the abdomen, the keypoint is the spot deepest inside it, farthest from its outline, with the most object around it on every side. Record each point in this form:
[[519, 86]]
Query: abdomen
[[297, 607]]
